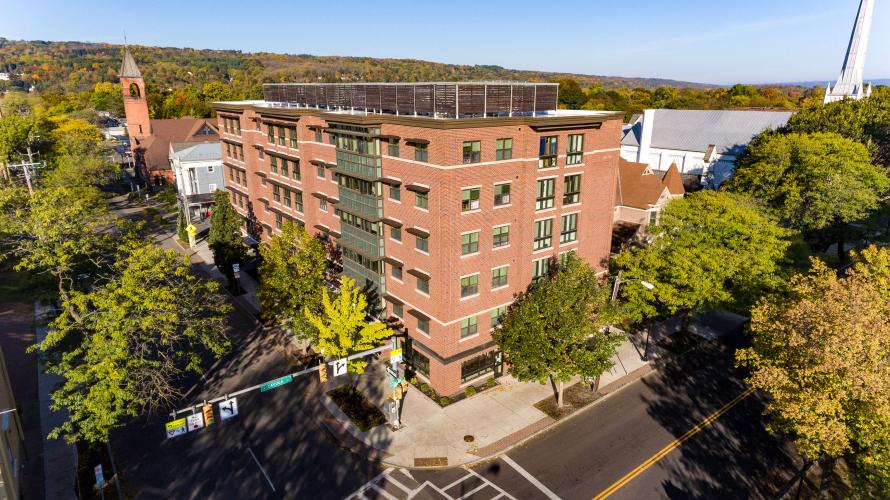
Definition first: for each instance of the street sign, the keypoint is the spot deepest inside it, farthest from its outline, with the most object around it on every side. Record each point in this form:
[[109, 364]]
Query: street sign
[[208, 414], [175, 428], [191, 229], [278, 382], [322, 373], [339, 367], [236, 268], [100, 476], [395, 356], [228, 408], [195, 421]]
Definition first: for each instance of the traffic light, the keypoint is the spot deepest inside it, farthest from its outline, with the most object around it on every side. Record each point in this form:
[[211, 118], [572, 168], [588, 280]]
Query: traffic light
[[323, 373], [208, 414]]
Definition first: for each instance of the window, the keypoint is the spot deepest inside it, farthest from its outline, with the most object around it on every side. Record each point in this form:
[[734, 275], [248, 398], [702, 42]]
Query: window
[[395, 193], [423, 285], [211, 187], [468, 327], [276, 193], [469, 285], [548, 152], [421, 152], [295, 173], [318, 136], [260, 154], [503, 149], [469, 243], [395, 233], [472, 152], [273, 164], [544, 199], [281, 136], [421, 200], [397, 310], [497, 316], [210, 169], [284, 170], [228, 150], [540, 268], [232, 174], [278, 221], [241, 153], [571, 189], [469, 199], [319, 171], [271, 129], [569, 228], [397, 272], [422, 243], [501, 236], [298, 198], [292, 136], [323, 205], [476, 367], [501, 194], [393, 148], [543, 233], [499, 277], [418, 362], [653, 217], [287, 202], [423, 326], [564, 257], [258, 126], [574, 153]]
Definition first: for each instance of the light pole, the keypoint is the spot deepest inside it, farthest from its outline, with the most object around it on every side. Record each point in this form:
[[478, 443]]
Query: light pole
[[647, 286]]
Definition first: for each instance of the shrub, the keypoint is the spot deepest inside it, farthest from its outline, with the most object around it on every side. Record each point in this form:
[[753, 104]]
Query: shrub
[[491, 382], [413, 380], [444, 401], [424, 388], [470, 391]]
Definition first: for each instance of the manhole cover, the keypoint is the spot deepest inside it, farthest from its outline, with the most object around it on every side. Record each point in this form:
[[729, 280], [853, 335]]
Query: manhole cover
[[469, 439]]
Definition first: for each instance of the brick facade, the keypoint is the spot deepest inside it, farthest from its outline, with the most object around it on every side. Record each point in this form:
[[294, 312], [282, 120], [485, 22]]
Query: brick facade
[[251, 184]]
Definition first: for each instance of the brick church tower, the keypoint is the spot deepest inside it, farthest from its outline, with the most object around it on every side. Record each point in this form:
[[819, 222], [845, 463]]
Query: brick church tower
[[135, 103]]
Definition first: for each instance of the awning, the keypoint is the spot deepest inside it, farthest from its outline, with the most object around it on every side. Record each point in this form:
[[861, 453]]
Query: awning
[[388, 137], [393, 262], [392, 300], [417, 188], [418, 314], [390, 181], [320, 196], [418, 273], [417, 141], [321, 228], [416, 231], [392, 222]]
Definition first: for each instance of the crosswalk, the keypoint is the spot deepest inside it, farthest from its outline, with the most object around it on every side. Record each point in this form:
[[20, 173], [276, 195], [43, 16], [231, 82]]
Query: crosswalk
[[400, 484]]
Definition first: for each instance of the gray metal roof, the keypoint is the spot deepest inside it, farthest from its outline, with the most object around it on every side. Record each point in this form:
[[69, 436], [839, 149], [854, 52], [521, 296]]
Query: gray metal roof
[[204, 151], [693, 130], [128, 66]]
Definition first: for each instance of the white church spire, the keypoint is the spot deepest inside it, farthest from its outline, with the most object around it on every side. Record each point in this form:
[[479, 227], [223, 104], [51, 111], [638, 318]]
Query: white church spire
[[849, 85]]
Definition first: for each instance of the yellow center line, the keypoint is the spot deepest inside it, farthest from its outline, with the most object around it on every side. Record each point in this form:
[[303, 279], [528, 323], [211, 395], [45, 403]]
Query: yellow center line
[[671, 446]]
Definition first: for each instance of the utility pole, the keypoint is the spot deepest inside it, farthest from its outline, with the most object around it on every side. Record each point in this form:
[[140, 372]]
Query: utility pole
[[28, 168]]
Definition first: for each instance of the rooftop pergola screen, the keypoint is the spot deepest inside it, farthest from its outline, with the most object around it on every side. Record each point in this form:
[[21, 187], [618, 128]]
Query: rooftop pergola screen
[[440, 100]]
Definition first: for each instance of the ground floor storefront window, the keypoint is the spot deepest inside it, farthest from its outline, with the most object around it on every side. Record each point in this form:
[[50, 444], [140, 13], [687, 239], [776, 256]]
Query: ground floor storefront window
[[483, 364], [416, 360]]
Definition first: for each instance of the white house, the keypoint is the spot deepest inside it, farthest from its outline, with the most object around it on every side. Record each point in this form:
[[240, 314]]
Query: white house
[[703, 144], [198, 172]]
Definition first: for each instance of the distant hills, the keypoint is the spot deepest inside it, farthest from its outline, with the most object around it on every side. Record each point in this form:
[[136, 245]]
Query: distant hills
[[879, 81], [79, 66]]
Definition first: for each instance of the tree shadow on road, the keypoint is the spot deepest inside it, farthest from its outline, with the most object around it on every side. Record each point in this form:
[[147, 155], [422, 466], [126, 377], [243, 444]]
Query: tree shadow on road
[[734, 457]]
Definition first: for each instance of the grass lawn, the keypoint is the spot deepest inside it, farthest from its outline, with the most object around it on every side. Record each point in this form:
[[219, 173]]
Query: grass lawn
[[356, 406]]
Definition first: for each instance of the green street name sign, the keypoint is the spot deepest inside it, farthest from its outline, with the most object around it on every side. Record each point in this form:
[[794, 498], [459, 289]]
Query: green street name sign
[[278, 382]]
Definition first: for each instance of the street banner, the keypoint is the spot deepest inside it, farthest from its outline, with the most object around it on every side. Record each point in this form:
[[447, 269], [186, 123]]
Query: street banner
[[195, 421], [395, 356], [339, 367], [175, 428], [228, 408]]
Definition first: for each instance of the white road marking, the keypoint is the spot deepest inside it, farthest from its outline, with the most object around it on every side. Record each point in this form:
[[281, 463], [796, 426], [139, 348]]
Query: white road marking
[[458, 481], [496, 487], [532, 479], [359, 493], [401, 486], [474, 490], [262, 470], [383, 492]]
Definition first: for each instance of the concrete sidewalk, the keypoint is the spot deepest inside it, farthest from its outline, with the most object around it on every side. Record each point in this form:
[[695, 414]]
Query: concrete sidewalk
[[497, 418]]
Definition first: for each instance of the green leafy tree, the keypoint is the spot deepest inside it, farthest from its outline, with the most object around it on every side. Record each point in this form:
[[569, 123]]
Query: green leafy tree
[[343, 329], [813, 181], [557, 329], [181, 233], [122, 347], [570, 94], [225, 239], [822, 354], [106, 96], [711, 249], [292, 276]]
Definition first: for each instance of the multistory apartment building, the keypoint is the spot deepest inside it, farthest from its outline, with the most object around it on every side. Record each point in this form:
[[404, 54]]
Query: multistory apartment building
[[448, 198]]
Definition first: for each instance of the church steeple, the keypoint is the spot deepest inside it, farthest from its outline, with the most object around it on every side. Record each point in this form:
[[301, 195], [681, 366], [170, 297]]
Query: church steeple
[[135, 103], [849, 85]]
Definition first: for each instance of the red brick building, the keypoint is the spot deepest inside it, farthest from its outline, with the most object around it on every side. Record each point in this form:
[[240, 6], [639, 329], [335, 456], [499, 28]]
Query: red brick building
[[448, 197], [150, 139]]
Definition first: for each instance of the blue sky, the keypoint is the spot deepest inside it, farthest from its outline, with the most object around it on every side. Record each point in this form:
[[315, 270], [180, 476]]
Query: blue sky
[[716, 41]]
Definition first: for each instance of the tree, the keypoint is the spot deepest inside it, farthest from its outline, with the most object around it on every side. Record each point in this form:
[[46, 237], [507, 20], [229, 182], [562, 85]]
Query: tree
[[711, 249], [106, 96], [342, 329], [292, 276], [822, 354], [181, 232], [813, 181], [131, 340], [570, 94], [225, 239], [557, 329]]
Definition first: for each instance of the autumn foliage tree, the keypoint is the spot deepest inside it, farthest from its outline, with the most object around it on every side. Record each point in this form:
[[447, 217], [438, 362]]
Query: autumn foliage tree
[[822, 354]]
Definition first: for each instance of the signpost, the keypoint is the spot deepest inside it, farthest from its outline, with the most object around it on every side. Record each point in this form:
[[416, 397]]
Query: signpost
[[236, 270], [278, 382], [195, 421], [191, 230], [175, 428], [340, 367], [228, 408]]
